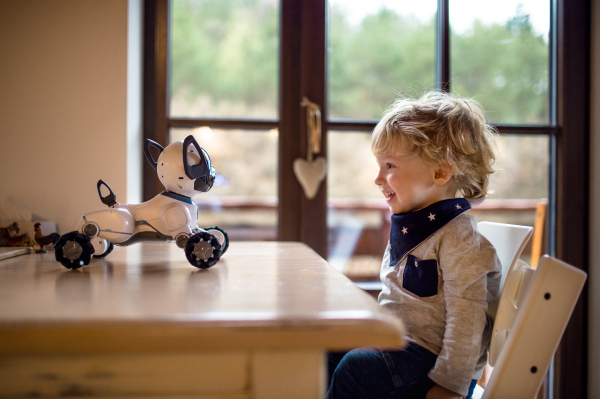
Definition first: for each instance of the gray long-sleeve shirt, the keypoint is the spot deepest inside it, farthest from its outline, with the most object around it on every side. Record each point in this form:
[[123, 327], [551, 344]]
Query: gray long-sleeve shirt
[[449, 319]]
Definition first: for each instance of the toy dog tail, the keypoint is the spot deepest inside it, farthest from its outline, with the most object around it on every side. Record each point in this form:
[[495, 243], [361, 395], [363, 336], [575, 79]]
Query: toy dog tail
[[110, 199]]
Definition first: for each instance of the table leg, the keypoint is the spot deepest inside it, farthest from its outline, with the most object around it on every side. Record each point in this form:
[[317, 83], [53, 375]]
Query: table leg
[[288, 374]]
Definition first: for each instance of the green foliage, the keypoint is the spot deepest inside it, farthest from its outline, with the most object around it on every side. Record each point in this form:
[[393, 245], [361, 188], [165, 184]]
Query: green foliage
[[505, 68], [371, 63], [225, 50]]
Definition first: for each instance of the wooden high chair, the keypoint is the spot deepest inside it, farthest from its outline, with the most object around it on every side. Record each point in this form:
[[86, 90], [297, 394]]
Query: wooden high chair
[[509, 240], [535, 307], [537, 245]]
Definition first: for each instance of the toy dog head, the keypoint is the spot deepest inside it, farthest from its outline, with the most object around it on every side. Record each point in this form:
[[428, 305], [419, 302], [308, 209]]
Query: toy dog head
[[183, 167]]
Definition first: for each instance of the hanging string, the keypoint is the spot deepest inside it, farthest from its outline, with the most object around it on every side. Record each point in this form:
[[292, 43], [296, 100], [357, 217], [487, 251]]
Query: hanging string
[[313, 127]]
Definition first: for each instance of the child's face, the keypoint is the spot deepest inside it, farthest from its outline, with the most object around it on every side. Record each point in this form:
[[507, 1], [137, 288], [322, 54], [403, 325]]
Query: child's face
[[407, 182]]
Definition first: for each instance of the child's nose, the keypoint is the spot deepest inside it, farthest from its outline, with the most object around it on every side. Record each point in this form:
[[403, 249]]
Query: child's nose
[[378, 179]]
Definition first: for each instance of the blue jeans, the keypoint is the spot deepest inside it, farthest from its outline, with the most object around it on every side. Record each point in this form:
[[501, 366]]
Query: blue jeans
[[373, 373]]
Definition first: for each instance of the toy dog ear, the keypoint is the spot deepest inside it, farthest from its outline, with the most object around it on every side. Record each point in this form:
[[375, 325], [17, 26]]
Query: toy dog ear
[[150, 143], [195, 171]]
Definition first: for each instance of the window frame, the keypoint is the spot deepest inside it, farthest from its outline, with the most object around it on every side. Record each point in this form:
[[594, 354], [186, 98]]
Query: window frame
[[305, 220]]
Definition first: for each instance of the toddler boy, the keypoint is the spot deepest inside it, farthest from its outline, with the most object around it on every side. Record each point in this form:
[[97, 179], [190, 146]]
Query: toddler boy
[[435, 157]]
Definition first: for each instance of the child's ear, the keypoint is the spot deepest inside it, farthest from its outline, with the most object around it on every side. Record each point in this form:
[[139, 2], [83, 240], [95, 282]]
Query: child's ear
[[443, 173]]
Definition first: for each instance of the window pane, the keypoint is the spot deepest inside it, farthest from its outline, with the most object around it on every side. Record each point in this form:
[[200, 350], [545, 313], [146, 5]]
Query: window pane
[[499, 55], [358, 218], [224, 58], [352, 166], [244, 200], [520, 186], [376, 50], [523, 162], [357, 215]]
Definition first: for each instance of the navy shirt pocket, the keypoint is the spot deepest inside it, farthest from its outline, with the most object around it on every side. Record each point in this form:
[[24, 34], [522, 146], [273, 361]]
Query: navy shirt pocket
[[420, 276]]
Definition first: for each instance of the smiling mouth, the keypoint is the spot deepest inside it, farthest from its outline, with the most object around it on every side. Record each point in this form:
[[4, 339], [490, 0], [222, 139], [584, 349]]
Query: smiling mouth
[[389, 196]]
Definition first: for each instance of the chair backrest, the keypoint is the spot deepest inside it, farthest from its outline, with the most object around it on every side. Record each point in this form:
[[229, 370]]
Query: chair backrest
[[541, 302], [509, 240]]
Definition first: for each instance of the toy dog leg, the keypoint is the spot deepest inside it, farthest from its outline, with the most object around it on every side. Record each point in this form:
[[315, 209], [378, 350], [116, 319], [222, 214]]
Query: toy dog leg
[[204, 248], [73, 250], [102, 247], [96, 234], [107, 226], [221, 235]]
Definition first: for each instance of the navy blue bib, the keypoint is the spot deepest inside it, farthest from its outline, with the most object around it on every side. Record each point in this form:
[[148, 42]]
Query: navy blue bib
[[410, 229]]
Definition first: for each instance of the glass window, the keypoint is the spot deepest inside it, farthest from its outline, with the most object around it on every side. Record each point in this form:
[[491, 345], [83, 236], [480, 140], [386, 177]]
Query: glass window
[[357, 215], [243, 200], [523, 163], [499, 56], [520, 187], [224, 58], [377, 49]]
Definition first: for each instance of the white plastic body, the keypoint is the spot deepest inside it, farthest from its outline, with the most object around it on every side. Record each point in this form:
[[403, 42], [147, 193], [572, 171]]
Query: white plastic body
[[545, 305], [167, 216]]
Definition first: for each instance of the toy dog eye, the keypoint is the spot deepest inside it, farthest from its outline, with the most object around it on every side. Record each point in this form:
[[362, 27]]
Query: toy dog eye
[[181, 178]]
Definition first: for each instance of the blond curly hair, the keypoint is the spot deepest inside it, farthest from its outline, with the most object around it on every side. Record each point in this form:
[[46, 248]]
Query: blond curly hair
[[442, 129]]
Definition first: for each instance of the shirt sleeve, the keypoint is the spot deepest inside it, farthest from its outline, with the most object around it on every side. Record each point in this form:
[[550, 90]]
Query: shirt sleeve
[[470, 273]]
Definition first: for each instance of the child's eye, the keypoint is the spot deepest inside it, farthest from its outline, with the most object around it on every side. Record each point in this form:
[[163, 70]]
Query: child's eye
[[389, 165]]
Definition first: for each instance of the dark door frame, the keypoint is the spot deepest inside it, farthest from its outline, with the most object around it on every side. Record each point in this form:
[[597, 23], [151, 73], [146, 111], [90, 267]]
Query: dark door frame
[[572, 182], [303, 73]]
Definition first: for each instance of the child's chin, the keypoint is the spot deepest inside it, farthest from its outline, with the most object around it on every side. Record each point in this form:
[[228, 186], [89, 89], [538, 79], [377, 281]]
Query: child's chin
[[396, 210]]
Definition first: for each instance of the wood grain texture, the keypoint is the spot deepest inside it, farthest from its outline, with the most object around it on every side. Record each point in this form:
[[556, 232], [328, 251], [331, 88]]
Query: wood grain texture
[[296, 374], [141, 375], [147, 298]]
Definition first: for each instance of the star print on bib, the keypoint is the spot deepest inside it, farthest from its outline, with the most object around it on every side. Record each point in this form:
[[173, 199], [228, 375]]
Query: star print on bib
[[410, 229]]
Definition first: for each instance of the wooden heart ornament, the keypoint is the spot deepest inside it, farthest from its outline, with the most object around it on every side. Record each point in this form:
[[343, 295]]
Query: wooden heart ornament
[[310, 174]]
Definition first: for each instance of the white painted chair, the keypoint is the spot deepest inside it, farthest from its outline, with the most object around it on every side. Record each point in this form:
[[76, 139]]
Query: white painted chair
[[509, 241], [535, 307]]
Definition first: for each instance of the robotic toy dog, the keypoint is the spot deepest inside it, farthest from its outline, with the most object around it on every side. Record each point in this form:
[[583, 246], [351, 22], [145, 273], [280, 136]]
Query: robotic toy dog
[[184, 168]]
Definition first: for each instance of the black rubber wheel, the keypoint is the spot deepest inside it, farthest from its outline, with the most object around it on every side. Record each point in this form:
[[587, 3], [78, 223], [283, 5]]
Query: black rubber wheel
[[111, 246], [73, 250], [203, 250], [225, 244]]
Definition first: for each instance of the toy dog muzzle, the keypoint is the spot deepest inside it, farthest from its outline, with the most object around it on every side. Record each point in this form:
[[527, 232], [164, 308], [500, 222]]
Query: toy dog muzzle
[[205, 183]]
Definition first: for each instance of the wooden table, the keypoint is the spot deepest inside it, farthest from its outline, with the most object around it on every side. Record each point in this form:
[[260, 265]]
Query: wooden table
[[144, 323]]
